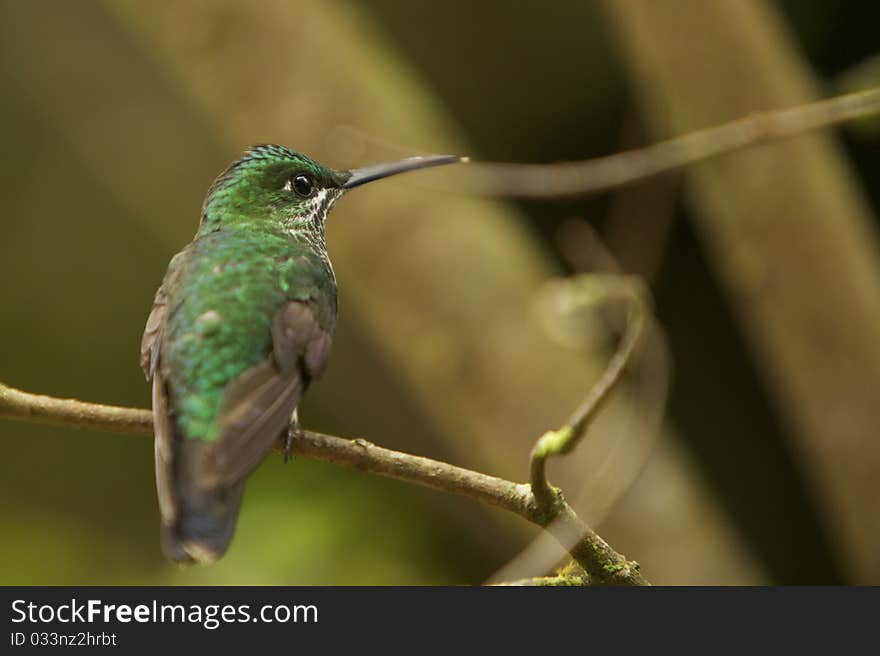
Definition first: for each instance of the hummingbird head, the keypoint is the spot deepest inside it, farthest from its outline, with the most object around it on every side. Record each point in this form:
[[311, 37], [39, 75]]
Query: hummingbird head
[[273, 183]]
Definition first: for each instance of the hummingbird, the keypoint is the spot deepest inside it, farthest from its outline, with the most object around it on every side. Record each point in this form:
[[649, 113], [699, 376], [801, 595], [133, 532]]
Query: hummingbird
[[241, 326]]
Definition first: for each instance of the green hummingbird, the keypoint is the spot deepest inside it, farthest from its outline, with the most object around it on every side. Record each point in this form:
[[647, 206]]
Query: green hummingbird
[[241, 325]]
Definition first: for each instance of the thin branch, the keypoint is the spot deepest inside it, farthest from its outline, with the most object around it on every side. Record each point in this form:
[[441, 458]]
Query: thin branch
[[599, 560], [599, 174], [15, 404], [566, 438]]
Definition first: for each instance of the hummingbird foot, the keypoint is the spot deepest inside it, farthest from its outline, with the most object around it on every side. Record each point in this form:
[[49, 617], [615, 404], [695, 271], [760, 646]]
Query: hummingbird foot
[[292, 431]]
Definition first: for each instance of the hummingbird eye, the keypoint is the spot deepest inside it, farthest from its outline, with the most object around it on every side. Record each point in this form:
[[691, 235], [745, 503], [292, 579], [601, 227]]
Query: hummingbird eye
[[301, 184]]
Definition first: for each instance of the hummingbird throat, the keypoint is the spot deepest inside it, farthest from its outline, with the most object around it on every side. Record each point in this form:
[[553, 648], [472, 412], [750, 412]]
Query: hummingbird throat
[[311, 217], [306, 225]]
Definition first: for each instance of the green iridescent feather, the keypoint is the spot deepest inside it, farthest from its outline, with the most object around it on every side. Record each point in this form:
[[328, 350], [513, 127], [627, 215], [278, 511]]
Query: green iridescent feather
[[235, 281]]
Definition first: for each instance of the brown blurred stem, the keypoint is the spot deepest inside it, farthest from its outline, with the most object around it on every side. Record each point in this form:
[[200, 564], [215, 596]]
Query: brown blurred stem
[[599, 560], [594, 175]]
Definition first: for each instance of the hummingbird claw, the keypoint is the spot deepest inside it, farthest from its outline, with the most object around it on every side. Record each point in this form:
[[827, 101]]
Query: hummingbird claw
[[292, 430]]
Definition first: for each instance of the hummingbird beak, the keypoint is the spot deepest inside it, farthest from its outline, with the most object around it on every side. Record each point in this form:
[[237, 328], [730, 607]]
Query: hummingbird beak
[[367, 174]]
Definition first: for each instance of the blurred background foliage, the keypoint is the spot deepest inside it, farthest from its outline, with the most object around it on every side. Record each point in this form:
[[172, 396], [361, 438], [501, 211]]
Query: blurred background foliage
[[116, 116]]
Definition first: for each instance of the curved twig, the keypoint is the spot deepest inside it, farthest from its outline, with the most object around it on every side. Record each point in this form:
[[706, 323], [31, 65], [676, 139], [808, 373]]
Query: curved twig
[[565, 439], [603, 173]]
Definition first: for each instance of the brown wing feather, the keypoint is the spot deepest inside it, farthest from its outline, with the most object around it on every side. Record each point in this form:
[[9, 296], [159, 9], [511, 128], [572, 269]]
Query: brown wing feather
[[251, 423], [258, 404], [150, 340], [163, 427], [164, 450]]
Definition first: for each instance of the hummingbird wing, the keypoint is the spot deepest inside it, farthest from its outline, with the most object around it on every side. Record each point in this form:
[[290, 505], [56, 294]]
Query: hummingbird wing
[[150, 340], [163, 428], [258, 405], [155, 322], [163, 425]]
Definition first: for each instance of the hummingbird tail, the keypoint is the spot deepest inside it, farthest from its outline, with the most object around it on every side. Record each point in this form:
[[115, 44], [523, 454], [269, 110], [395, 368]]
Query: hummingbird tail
[[204, 525]]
